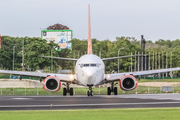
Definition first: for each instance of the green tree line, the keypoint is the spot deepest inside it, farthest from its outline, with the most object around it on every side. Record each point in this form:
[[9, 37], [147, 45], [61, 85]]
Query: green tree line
[[33, 47]]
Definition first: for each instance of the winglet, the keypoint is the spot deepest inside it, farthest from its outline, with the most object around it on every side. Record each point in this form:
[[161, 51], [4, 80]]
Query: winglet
[[89, 51]]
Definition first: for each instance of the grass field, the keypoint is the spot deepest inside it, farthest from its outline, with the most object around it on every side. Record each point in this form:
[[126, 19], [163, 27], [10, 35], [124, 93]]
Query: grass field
[[95, 114]]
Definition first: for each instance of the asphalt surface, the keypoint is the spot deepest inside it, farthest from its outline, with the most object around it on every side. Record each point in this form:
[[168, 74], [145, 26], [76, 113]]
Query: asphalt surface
[[84, 102]]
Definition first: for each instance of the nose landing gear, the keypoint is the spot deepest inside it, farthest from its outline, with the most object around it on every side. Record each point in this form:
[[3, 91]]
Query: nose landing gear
[[90, 92]]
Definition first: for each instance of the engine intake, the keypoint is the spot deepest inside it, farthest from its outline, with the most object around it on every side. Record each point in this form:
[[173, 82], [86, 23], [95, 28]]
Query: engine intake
[[128, 82], [52, 84]]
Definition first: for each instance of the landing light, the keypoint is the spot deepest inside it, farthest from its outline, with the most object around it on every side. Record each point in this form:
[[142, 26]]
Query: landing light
[[108, 76], [71, 77]]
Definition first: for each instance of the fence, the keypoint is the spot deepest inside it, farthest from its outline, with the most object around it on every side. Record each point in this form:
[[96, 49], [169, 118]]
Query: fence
[[155, 78], [83, 91]]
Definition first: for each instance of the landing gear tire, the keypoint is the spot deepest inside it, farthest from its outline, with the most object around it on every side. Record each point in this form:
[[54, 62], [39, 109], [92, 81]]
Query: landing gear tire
[[64, 91], [108, 91], [112, 89], [91, 93], [115, 90], [71, 91], [88, 93]]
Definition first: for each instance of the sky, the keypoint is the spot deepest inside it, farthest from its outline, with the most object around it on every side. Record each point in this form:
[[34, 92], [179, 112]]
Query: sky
[[155, 19]]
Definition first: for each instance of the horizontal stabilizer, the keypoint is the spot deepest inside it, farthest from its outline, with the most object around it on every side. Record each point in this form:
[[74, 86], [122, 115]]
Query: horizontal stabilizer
[[61, 58], [112, 58]]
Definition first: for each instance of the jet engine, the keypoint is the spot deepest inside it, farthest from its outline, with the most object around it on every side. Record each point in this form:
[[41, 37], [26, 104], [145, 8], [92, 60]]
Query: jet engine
[[52, 84], [128, 82]]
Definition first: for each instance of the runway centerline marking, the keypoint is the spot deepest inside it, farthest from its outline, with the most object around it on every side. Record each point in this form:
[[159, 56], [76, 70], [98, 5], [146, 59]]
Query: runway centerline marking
[[101, 104], [21, 98]]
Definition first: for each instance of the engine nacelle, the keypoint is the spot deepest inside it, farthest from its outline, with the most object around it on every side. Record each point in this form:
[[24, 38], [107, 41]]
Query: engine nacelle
[[128, 82], [52, 84]]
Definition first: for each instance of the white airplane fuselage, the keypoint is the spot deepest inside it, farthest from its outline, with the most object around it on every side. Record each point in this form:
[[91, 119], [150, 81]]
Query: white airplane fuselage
[[89, 70]]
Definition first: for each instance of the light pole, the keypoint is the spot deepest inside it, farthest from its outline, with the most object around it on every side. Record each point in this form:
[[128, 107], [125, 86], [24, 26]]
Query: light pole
[[51, 61], [118, 56], [13, 57], [23, 57]]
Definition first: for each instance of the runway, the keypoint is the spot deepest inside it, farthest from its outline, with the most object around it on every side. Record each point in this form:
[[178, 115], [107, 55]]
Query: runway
[[84, 102]]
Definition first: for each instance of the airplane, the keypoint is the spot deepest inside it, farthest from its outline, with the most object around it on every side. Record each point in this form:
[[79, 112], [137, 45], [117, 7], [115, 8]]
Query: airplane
[[89, 71]]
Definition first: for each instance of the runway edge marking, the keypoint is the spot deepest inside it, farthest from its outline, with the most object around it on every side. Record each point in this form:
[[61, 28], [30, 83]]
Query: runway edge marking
[[102, 104]]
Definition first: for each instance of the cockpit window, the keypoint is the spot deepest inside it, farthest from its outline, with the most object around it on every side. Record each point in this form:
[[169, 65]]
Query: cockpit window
[[89, 65], [86, 65], [93, 65]]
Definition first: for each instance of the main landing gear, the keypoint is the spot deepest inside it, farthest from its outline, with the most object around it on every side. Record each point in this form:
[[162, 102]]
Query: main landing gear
[[90, 92], [112, 89], [67, 90]]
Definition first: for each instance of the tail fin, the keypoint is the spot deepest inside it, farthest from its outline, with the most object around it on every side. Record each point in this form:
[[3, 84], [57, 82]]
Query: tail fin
[[89, 51]]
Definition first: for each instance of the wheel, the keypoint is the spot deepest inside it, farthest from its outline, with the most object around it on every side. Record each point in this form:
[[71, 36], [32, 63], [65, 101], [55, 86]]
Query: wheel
[[64, 91], [91, 93], [108, 91], [115, 90], [88, 93], [71, 91]]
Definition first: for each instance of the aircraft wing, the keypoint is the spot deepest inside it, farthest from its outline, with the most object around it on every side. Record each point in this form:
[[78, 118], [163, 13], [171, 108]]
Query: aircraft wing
[[61, 58], [112, 58], [62, 77], [118, 76]]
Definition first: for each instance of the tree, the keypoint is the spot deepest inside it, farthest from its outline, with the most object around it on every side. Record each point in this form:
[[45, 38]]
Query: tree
[[57, 27], [35, 47]]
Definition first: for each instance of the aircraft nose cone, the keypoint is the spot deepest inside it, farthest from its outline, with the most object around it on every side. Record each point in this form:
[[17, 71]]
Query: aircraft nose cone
[[90, 77]]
